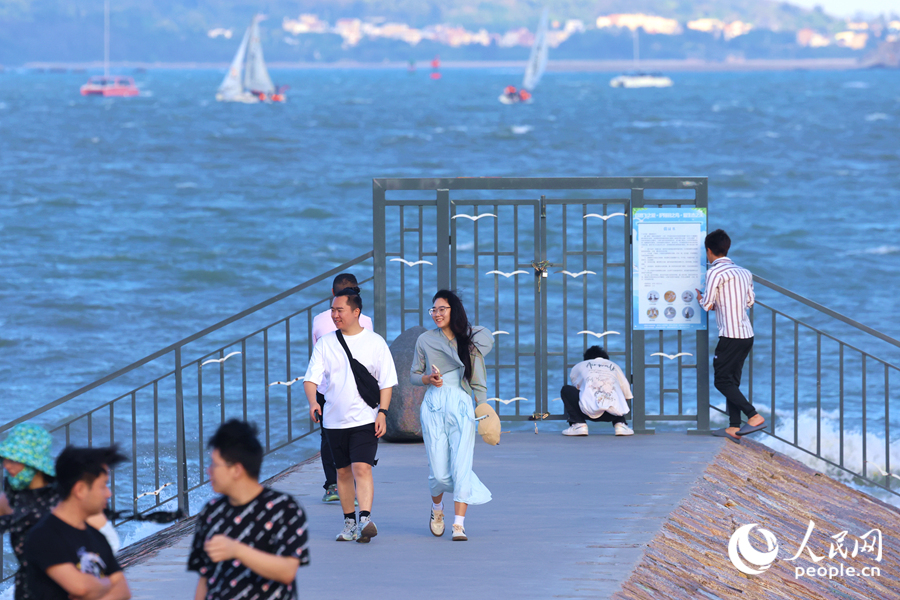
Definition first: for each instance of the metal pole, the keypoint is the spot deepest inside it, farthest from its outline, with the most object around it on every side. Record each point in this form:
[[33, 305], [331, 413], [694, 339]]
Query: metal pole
[[638, 405], [379, 246], [703, 341], [443, 239], [106, 38], [180, 452]]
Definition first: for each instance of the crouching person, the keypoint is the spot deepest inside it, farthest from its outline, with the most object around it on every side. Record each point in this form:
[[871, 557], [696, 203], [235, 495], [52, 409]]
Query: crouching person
[[65, 557], [251, 540], [598, 393]]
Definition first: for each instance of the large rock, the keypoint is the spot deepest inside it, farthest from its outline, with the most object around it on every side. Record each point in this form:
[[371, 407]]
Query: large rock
[[403, 424]]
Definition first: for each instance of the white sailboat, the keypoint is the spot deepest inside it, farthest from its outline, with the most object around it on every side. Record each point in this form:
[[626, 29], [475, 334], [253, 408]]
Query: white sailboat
[[248, 79], [637, 78], [537, 64]]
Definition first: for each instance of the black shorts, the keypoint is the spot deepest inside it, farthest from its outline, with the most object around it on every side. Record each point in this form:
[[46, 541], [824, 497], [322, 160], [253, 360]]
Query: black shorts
[[353, 445]]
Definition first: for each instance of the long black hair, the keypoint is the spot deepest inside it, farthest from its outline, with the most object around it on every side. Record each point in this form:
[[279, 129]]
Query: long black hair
[[462, 330]]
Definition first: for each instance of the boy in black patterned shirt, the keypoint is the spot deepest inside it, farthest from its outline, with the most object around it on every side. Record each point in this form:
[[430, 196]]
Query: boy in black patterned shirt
[[250, 541]]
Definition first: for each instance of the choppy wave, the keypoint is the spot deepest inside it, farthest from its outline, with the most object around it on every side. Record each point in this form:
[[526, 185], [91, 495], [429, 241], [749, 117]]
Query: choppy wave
[[877, 117], [521, 129], [855, 85]]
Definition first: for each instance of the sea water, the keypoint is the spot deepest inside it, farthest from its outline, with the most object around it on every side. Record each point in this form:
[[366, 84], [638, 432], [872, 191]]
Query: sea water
[[127, 224]]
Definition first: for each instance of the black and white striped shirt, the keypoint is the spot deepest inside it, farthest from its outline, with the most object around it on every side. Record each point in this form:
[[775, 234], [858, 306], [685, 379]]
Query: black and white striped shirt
[[729, 291]]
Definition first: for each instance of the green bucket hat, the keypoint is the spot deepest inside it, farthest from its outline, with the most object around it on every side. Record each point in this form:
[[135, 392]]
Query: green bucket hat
[[30, 445]]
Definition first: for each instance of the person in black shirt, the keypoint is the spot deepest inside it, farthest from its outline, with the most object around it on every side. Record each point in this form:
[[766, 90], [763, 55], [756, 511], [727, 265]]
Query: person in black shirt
[[65, 557], [251, 540]]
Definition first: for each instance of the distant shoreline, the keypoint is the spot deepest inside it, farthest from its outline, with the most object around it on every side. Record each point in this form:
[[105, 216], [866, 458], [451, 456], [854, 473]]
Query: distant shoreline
[[600, 66]]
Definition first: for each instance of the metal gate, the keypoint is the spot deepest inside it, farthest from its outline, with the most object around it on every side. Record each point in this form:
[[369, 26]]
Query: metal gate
[[544, 264]]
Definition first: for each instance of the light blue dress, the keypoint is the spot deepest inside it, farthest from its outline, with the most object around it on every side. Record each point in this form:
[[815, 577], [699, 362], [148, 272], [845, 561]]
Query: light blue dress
[[448, 417]]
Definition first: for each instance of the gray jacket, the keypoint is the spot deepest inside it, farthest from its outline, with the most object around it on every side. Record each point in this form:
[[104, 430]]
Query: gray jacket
[[433, 348]]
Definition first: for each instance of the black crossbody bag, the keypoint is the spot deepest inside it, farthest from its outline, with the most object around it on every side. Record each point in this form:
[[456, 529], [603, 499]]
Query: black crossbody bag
[[365, 383]]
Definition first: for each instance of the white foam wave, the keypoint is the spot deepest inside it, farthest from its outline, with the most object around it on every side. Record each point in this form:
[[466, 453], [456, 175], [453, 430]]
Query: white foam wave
[[831, 449], [521, 129], [878, 251], [772, 134], [855, 85], [675, 124], [877, 117]]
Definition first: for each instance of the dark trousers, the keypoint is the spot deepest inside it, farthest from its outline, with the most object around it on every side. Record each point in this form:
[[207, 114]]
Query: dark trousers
[[728, 364], [569, 395], [325, 449]]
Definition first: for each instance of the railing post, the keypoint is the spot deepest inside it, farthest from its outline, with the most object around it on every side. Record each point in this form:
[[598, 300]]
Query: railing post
[[380, 249], [703, 341], [638, 356], [443, 239], [181, 477]]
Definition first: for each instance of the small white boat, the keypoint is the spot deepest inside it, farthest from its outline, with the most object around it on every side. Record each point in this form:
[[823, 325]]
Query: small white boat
[[248, 79], [638, 78], [641, 80]]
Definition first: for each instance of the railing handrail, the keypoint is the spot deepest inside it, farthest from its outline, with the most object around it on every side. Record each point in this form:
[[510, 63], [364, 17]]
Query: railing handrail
[[826, 310], [187, 340]]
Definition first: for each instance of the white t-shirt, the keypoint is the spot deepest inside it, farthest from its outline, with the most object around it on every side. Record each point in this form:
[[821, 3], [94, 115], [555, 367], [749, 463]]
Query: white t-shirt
[[603, 387], [344, 407], [322, 324]]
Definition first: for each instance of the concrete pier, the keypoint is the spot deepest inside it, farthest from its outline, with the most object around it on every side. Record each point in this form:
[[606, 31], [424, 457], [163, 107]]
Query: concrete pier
[[570, 518]]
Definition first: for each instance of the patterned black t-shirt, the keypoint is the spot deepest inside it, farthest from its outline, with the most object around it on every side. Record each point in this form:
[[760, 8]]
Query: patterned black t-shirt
[[272, 522], [28, 507]]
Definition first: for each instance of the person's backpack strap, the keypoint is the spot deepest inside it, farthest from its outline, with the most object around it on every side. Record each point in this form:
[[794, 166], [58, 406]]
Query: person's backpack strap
[[340, 337]]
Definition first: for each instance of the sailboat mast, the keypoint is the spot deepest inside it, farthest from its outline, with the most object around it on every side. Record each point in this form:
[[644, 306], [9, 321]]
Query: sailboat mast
[[106, 38], [637, 48]]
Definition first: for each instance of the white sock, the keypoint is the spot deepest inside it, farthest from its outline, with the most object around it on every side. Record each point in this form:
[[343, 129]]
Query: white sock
[[458, 520], [437, 506]]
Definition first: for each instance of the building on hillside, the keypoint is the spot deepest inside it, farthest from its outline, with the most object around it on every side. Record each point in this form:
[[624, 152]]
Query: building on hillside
[[855, 40], [649, 23], [304, 24], [809, 38]]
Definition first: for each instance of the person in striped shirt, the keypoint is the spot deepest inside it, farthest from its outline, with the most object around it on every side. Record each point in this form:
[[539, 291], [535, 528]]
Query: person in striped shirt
[[729, 292]]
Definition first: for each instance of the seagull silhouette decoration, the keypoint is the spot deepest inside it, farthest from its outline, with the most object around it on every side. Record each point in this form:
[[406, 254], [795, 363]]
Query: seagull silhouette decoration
[[471, 218], [579, 274], [507, 275], [881, 471], [516, 399], [604, 217], [287, 383], [411, 264], [156, 492], [671, 356], [218, 360], [598, 335]]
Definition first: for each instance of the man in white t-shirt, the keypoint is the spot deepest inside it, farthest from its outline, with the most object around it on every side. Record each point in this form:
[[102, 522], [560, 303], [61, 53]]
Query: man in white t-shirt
[[352, 427], [598, 393], [322, 324]]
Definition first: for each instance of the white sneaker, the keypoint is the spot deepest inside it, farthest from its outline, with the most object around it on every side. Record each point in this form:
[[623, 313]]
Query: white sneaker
[[459, 533], [349, 532], [437, 523], [365, 531], [623, 429], [578, 429]]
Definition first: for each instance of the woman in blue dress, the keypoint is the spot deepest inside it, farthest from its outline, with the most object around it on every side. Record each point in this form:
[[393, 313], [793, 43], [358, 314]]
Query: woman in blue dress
[[450, 361]]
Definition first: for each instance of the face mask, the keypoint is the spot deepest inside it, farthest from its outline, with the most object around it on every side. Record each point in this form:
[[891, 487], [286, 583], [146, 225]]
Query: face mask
[[22, 480]]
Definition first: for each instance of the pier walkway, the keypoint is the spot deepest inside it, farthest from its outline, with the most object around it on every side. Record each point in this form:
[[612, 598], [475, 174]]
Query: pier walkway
[[570, 518]]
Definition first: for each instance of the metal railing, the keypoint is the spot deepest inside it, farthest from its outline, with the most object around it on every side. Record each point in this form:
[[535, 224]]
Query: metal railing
[[826, 395], [163, 421]]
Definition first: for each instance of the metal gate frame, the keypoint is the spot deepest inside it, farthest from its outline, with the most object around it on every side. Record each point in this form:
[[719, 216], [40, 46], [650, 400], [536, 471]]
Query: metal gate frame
[[636, 361]]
